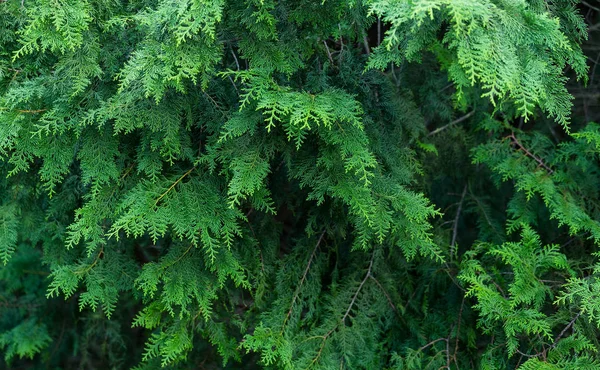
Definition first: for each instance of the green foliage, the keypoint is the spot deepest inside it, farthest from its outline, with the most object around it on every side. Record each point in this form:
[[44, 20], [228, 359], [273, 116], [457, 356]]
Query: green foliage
[[380, 184]]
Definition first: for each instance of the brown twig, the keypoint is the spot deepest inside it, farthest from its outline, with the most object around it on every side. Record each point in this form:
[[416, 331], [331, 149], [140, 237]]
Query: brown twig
[[98, 257], [385, 293], [528, 153], [544, 352], [432, 343], [569, 325]]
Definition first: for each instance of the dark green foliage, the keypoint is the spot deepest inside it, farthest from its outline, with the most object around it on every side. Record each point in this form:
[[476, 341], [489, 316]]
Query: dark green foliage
[[378, 184]]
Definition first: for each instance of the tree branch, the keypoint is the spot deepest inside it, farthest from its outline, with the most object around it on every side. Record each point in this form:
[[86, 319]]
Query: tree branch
[[173, 185], [297, 292], [570, 324], [359, 288], [529, 154], [456, 121], [324, 337], [455, 226]]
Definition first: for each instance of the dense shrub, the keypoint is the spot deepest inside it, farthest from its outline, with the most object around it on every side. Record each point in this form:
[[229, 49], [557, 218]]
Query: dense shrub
[[297, 184]]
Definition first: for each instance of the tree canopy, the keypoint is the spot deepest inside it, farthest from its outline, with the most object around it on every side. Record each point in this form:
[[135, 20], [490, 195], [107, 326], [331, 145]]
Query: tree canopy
[[299, 184]]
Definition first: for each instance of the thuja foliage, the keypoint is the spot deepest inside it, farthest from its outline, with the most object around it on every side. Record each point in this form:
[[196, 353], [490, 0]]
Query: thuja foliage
[[366, 184]]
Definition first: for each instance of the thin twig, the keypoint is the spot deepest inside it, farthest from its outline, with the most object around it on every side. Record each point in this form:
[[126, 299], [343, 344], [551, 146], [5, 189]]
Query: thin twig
[[211, 99], [565, 330], [328, 52], [456, 121], [394, 75], [359, 288], [447, 271], [432, 343], [590, 6], [183, 255], [324, 337], [527, 355], [98, 256], [366, 45], [57, 344], [448, 350], [485, 215], [31, 111], [237, 63], [455, 226], [447, 86], [378, 31], [174, 184], [28, 111], [529, 154], [385, 293], [297, 293], [235, 87], [594, 69], [462, 305]]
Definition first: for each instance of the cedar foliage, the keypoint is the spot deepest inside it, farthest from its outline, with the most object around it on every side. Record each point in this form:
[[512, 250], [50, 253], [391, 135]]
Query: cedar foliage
[[377, 184]]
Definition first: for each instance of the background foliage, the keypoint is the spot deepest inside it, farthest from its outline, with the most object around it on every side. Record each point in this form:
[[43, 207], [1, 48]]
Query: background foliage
[[366, 184]]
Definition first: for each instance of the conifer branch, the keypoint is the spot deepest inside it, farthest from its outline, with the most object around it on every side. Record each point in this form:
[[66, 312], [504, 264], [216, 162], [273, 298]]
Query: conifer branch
[[89, 267], [385, 293], [359, 289], [483, 211], [346, 140], [324, 337], [569, 325], [304, 275], [528, 153], [173, 185]]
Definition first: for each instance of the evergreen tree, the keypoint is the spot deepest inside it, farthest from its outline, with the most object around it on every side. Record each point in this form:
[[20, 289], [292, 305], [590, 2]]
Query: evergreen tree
[[375, 184]]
